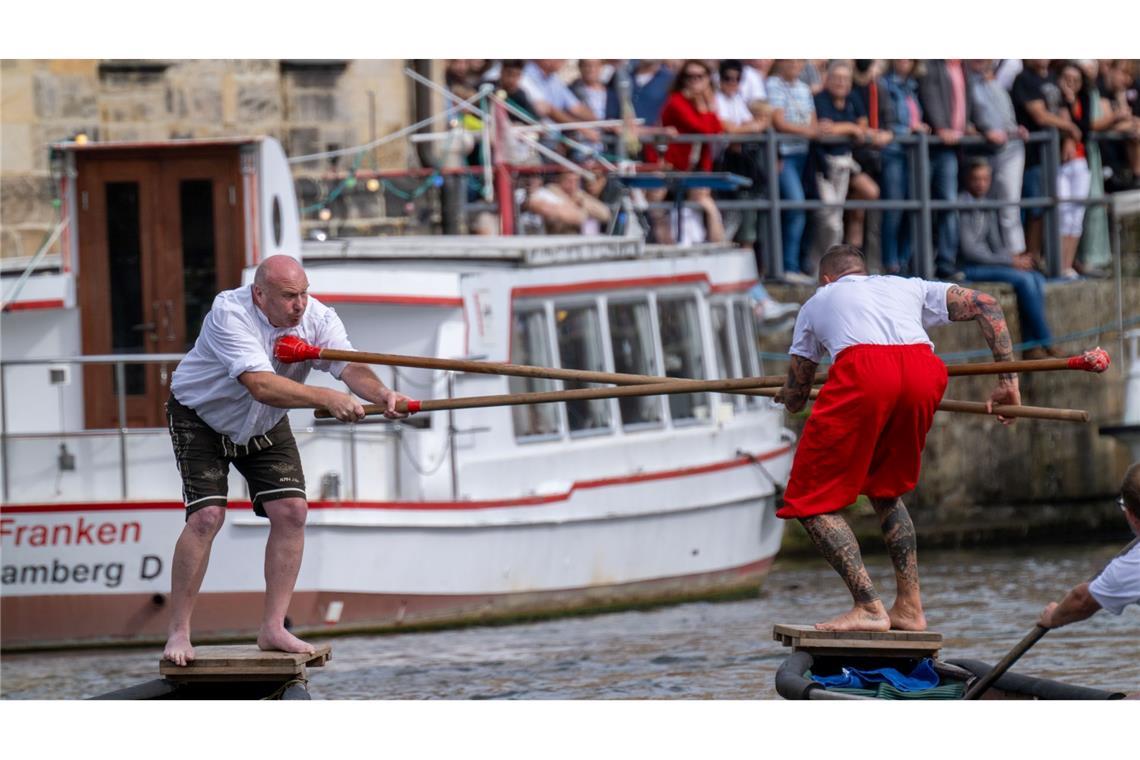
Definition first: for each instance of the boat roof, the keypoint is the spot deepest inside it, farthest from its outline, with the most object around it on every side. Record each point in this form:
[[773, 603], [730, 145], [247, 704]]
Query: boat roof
[[173, 144], [512, 251]]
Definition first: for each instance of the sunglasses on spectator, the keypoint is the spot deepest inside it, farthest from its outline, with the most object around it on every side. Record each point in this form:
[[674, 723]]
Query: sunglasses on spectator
[[734, 78]]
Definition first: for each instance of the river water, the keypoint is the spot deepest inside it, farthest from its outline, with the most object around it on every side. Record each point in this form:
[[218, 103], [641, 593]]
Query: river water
[[982, 600]]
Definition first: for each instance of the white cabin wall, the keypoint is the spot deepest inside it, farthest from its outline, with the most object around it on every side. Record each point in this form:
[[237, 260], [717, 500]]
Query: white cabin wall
[[392, 329], [31, 403]]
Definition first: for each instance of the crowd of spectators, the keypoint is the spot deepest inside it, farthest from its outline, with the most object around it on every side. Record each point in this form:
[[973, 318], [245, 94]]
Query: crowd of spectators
[[844, 131]]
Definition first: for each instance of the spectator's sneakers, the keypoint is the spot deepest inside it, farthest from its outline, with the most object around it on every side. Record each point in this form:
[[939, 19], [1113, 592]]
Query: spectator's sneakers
[[1069, 275], [950, 275], [769, 310], [798, 278]]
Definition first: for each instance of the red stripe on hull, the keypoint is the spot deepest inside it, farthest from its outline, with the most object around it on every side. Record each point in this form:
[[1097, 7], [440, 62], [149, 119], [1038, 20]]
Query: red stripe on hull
[[526, 501], [32, 622], [47, 303], [401, 300]]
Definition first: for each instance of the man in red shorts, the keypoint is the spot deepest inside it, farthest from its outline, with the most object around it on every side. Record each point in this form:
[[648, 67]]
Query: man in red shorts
[[868, 427]]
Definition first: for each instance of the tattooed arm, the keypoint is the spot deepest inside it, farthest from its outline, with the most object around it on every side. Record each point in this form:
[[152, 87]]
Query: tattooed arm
[[801, 378], [964, 305]]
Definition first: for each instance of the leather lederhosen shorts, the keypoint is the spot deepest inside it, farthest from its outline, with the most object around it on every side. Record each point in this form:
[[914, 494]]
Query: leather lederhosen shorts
[[270, 463]]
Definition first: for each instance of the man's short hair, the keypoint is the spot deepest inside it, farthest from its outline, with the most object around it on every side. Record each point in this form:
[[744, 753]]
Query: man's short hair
[[975, 163], [842, 259], [1130, 490], [838, 63], [514, 63], [731, 64]]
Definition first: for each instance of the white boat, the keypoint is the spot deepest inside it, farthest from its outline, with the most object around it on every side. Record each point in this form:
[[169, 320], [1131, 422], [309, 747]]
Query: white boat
[[443, 518]]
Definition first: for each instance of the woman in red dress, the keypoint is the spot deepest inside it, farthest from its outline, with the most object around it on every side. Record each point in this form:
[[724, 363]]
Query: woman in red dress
[[691, 109]]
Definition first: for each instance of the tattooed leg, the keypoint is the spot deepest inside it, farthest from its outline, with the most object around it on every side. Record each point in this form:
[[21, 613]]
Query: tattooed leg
[[898, 532], [834, 539]]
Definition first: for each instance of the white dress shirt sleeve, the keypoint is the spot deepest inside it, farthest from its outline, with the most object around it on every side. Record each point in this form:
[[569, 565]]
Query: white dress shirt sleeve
[[235, 342]]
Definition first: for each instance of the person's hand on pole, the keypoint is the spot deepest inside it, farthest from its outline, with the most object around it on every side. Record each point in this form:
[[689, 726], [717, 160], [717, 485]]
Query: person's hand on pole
[[390, 399], [996, 136], [1046, 619], [1007, 393], [343, 406]]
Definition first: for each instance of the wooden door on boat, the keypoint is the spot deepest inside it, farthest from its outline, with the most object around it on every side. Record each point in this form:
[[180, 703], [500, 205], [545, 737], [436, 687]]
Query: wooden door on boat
[[160, 234]]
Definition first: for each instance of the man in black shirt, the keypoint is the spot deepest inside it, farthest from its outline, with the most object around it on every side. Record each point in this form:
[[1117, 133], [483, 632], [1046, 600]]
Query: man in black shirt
[[510, 82], [1037, 106], [836, 170]]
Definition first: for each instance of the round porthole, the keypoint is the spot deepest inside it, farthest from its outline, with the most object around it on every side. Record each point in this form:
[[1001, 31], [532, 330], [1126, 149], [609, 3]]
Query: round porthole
[[277, 221]]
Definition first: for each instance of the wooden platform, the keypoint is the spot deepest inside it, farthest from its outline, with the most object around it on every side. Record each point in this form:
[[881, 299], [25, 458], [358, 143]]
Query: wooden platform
[[858, 643], [245, 662]]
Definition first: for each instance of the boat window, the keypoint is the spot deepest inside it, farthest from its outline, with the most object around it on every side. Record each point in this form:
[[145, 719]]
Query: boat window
[[129, 331], [199, 272], [722, 335], [631, 338], [530, 344], [681, 352], [746, 346], [580, 347]]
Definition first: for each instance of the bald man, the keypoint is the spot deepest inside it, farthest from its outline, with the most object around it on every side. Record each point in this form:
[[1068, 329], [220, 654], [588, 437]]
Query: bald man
[[227, 405]]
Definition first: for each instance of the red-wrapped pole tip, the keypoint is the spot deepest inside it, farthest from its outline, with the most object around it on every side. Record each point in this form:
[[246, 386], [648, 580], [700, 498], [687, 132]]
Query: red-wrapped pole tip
[[292, 349], [1096, 360]]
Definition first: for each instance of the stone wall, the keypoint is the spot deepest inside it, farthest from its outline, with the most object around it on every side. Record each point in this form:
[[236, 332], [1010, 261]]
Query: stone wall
[[982, 480], [310, 106]]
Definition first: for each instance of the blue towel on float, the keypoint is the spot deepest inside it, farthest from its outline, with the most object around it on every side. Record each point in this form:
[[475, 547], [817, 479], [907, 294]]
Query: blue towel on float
[[922, 677]]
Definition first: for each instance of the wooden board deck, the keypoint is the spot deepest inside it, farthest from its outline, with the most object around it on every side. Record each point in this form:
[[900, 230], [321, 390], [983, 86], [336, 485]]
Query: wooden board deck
[[245, 662], [860, 643]]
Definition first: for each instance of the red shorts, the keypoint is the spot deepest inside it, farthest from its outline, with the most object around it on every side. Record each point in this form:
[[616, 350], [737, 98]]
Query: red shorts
[[867, 429]]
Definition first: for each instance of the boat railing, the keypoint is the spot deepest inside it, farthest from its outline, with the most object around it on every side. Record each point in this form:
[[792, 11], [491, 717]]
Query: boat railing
[[369, 432]]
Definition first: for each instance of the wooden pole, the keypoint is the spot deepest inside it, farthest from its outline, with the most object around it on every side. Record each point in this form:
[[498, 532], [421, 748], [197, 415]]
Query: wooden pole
[[1031, 412], [1095, 360], [578, 394], [292, 349], [689, 386], [1006, 663]]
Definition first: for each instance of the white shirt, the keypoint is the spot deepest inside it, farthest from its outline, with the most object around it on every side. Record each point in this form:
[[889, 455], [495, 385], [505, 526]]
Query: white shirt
[[596, 101], [237, 337], [858, 309], [548, 88], [732, 110], [1119, 585], [752, 84], [693, 230]]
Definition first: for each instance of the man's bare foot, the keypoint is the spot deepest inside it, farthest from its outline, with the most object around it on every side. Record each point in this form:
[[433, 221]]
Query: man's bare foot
[[280, 640], [906, 617], [178, 649], [858, 619]]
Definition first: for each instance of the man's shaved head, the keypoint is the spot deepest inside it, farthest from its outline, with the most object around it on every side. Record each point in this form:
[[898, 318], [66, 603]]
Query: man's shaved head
[[275, 268], [840, 260]]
